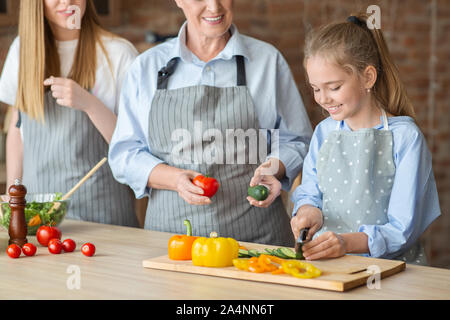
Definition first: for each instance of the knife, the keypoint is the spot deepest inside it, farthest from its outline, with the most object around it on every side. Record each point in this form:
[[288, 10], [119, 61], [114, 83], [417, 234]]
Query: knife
[[300, 241]]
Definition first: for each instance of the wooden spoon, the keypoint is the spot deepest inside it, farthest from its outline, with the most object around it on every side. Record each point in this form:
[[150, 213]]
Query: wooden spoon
[[56, 205]]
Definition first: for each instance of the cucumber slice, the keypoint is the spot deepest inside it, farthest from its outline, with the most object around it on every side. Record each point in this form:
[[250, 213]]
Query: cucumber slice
[[269, 251], [280, 254], [254, 253], [288, 252], [243, 253]]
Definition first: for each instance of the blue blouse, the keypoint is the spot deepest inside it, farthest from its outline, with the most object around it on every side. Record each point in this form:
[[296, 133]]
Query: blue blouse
[[269, 80], [414, 202]]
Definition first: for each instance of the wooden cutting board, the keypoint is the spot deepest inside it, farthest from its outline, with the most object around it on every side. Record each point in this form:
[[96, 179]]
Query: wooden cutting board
[[339, 274]]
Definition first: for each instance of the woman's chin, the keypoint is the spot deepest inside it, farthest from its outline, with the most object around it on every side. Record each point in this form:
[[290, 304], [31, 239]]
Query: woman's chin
[[215, 30]]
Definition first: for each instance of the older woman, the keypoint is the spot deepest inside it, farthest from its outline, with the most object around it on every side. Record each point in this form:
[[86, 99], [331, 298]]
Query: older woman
[[186, 103]]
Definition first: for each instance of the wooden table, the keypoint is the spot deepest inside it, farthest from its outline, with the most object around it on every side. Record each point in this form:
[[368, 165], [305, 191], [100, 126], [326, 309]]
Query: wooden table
[[116, 272]]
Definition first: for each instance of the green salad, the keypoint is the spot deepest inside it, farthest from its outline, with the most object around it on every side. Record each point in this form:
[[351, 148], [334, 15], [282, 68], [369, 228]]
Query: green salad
[[36, 214]]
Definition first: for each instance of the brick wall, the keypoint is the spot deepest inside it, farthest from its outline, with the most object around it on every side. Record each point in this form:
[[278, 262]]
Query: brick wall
[[415, 30]]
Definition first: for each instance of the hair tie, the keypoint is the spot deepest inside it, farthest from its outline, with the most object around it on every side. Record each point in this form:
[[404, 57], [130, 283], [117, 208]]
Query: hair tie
[[356, 20]]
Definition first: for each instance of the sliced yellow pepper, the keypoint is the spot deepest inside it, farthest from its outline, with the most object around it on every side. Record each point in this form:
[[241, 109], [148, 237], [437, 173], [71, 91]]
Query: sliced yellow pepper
[[241, 264], [214, 251], [278, 271], [35, 221], [300, 269], [266, 262]]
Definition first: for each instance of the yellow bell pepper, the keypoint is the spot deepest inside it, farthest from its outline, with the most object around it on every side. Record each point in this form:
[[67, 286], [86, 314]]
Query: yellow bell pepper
[[214, 251]]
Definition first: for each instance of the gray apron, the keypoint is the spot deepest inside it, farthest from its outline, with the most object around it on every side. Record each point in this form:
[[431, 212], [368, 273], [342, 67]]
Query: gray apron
[[356, 171], [221, 110], [61, 151]]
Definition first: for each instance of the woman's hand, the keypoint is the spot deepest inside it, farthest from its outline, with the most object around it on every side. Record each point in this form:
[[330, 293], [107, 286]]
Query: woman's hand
[[327, 245], [264, 175], [307, 217], [70, 94], [189, 191]]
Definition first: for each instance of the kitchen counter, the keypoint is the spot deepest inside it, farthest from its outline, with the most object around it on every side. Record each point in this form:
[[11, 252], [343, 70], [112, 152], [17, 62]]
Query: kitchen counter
[[116, 272]]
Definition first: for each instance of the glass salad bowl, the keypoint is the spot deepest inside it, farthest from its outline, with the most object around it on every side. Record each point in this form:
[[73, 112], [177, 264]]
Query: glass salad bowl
[[36, 210]]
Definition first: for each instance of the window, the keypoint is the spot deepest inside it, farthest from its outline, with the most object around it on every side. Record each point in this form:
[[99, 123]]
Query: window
[[9, 12], [108, 11], [3, 6]]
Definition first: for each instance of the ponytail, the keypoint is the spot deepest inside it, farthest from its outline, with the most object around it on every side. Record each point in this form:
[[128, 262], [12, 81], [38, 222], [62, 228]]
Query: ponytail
[[389, 89]]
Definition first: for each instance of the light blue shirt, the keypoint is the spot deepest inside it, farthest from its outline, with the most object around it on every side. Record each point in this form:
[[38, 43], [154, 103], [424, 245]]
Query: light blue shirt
[[414, 202], [269, 80]]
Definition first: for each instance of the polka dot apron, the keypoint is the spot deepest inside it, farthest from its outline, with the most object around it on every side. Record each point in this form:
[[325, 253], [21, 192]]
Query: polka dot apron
[[355, 171]]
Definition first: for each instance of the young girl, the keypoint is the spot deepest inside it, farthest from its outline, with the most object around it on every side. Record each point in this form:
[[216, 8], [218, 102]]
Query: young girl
[[368, 185], [64, 85]]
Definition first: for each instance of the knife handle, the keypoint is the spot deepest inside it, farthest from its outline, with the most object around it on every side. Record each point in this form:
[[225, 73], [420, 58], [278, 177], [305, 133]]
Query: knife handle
[[303, 234]]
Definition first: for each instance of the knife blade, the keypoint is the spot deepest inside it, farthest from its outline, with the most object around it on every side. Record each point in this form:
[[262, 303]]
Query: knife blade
[[301, 240]]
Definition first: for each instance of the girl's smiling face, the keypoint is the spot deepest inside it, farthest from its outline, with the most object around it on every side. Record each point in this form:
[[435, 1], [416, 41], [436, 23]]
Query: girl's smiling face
[[342, 93]]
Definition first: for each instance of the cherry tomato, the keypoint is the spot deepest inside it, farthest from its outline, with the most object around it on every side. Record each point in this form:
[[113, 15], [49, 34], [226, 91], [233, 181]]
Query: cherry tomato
[[208, 184], [13, 251], [45, 233], [56, 233], [55, 246], [29, 249], [68, 245], [88, 249]]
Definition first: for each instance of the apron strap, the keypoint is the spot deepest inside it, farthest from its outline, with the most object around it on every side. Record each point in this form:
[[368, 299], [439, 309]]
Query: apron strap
[[166, 72], [169, 69], [19, 121], [240, 65]]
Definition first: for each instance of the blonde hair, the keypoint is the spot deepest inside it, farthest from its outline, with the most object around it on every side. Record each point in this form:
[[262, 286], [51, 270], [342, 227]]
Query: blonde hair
[[39, 58], [353, 46]]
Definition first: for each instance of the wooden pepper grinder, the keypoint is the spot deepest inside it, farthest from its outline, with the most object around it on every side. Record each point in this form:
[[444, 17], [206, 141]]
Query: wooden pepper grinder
[[17, 225]]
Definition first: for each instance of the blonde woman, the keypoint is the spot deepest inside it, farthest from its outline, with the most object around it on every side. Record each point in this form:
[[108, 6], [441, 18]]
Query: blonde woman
[[64, 85]]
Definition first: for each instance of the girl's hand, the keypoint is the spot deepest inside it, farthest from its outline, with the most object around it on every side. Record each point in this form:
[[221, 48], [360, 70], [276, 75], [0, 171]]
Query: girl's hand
[[68, 93], [189, 191], [327, 245], [307, 217], [264, 176]]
